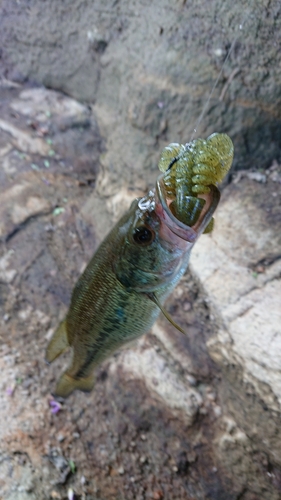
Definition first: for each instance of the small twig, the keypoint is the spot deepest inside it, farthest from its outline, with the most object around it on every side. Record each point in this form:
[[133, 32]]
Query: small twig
[[228, 82], [8, 84]]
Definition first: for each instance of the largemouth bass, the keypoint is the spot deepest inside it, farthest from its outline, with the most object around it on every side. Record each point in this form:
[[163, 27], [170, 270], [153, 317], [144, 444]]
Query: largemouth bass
[[122, 290]]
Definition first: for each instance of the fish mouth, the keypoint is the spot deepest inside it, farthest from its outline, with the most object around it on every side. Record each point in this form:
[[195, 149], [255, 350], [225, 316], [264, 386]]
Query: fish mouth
[[187, 233]]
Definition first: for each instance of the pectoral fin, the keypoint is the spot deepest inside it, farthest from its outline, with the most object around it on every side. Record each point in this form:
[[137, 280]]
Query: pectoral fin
[[58, 343], [154, 299], [67, 384]]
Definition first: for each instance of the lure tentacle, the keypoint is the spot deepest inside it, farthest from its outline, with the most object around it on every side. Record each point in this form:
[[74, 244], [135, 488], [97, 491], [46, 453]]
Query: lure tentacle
[[190, 170]]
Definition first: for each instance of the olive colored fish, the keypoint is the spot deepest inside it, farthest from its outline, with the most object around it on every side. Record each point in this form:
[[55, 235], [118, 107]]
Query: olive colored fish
[[122, 290]]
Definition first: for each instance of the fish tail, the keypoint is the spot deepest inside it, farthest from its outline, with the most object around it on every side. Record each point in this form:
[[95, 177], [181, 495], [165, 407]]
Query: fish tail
[[67, 384], [58, 343]]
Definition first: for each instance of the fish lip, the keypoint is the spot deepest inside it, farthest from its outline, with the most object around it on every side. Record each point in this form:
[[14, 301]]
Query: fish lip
[[185, 232]]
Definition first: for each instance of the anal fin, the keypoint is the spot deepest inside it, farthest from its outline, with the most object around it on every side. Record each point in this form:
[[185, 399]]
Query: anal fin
[[58, 343]]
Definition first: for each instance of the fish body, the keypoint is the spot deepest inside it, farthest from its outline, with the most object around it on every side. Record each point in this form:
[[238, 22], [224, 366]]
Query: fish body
[[123, 288]]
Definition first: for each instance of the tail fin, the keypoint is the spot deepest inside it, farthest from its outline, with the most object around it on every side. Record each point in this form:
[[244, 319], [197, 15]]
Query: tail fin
[[67, 384], [58, 343]]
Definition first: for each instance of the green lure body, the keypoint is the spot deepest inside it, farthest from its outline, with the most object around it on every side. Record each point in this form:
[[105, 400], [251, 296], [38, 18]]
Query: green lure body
[[191, 169]]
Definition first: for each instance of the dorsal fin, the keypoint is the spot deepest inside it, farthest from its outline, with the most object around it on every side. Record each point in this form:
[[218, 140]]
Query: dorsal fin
[[154, 299]]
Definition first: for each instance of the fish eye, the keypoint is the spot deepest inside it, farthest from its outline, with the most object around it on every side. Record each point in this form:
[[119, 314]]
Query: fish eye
[[143, 235]]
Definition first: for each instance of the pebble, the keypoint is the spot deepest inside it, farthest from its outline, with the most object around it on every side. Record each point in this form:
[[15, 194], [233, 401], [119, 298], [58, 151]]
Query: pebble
[[257, 176], [157, 495], [54, 494], [186, 306]]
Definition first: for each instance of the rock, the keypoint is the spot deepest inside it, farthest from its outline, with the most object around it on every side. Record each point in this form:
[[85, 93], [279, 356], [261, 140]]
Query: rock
[[22, 201], [150, 76], [146, 364], [6, 273], [42, 104], [23, 141], [8, 84], [58, 460], [257, 176], [245, 298], [17, 480]]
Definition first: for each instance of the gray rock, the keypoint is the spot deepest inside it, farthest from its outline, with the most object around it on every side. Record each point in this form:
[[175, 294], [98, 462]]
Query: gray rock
[[149, 70], [239, 269]]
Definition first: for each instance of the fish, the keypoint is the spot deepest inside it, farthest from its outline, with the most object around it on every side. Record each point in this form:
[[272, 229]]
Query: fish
[[123, 289]]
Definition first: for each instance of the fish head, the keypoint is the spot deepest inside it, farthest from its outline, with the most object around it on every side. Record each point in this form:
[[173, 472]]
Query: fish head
[[154, 245]]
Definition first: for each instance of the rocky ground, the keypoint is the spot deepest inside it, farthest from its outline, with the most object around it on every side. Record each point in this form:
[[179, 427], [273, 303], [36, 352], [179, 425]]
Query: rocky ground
[[171, 417], [164, 421]]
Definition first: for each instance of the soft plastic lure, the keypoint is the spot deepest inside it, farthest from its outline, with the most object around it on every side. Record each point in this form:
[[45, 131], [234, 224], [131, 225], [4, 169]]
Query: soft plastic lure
[[189, 171]]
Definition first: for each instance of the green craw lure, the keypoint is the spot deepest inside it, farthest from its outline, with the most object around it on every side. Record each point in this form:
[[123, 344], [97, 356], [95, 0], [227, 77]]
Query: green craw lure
[[190, 169]]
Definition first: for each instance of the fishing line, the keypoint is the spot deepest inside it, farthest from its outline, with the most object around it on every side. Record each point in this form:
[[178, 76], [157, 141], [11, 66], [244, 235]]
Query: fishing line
[[218, 78]]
